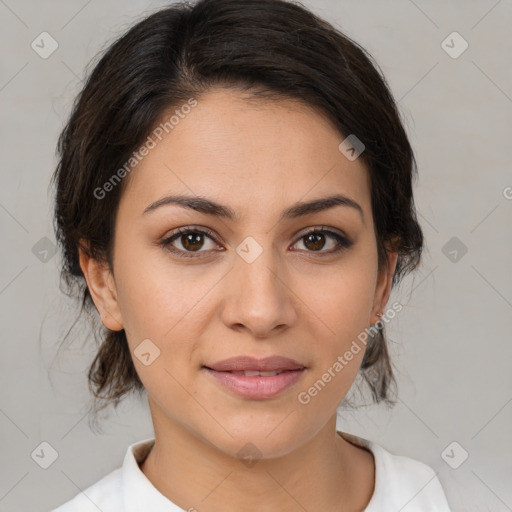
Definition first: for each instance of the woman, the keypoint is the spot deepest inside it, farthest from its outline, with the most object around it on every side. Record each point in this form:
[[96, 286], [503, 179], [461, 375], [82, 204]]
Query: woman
[[234, 194]]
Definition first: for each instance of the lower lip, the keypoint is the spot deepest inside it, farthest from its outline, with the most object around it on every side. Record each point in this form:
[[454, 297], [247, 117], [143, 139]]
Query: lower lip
[[258, 386]]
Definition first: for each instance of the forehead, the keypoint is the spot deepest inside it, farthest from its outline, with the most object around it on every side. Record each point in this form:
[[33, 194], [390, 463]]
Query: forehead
[[249, 154]]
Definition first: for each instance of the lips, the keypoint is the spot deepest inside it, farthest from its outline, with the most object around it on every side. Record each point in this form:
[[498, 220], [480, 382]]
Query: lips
[[256, 379], [255, 373], [248, 365]]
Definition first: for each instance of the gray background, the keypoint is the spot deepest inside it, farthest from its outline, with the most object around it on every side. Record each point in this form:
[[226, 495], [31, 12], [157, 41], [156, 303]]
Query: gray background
[[452, 343]]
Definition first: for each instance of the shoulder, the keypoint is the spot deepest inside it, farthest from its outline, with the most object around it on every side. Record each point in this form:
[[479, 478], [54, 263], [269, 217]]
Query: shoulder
[[402, 483], [411, 481], [104, 495], [124, 487]]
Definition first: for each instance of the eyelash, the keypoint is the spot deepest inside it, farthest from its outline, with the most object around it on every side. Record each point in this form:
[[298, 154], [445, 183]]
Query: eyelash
[[343, 243]]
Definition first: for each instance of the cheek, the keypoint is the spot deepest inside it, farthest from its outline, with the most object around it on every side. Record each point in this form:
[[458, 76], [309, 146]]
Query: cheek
[[341, 308], [153, 293], [340, 305], [341, 296], [165, 303]]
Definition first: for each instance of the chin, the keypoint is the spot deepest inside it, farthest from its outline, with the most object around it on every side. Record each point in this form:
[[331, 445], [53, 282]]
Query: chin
[[252, 441]]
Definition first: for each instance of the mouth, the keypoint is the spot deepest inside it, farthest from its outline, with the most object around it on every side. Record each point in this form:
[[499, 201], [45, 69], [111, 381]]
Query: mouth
[[253, 373], [248, 363]]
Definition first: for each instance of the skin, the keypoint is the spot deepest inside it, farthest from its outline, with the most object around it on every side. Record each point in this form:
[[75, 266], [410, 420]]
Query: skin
[[258, 158]]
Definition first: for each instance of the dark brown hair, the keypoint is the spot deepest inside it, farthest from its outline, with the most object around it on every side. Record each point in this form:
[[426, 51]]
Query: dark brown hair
[[269, 48]]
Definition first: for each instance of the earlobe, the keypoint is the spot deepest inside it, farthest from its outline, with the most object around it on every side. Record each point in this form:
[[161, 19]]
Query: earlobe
[[101, 286]]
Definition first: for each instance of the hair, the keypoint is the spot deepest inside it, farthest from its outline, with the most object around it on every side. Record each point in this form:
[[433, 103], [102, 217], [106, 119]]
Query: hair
[[272, 49]]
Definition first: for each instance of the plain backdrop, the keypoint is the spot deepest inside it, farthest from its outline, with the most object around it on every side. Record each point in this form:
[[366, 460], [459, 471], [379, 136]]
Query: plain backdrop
[[451, 343]]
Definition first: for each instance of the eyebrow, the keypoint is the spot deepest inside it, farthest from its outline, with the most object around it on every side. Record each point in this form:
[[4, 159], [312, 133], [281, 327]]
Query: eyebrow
[[209, 207]]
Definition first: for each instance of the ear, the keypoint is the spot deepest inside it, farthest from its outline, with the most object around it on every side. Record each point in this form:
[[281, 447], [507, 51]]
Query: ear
[[383, 289], [101, 284]]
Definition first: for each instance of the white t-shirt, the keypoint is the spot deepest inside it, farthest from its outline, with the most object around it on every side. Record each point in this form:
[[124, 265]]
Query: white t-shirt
[[401, 484]]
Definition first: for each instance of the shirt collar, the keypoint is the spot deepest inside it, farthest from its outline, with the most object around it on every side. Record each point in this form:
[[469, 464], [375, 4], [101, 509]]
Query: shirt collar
[[139, 494]]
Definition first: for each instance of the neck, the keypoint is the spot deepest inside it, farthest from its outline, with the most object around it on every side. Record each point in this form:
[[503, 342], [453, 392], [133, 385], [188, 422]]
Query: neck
[[326, 473]]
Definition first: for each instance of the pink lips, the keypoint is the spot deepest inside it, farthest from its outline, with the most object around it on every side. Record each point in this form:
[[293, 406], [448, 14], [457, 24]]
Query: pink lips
[[256, 386]]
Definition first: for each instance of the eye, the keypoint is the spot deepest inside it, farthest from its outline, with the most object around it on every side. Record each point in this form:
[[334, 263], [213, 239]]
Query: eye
[[190, 239], [315, 241]]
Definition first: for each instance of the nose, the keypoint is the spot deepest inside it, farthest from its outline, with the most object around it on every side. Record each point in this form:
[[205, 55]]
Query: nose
[[259, 294]]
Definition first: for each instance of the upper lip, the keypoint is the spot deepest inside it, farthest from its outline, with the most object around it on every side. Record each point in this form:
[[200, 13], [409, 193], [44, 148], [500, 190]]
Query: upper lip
[[249, 363]]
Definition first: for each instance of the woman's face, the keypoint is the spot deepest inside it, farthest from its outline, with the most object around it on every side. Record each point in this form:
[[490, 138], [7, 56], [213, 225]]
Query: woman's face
[[257, 284]]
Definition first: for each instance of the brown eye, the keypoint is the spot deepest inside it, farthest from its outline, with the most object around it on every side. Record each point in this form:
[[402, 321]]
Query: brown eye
[[191, 241], [316, 240]]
